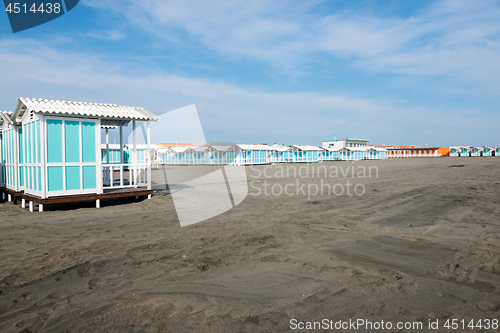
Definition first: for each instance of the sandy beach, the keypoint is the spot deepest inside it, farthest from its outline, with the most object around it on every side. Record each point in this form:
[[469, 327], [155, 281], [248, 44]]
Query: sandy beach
[[418, 242]]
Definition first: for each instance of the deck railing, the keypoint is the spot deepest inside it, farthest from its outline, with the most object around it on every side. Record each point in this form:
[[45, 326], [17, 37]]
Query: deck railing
[[125, 175]]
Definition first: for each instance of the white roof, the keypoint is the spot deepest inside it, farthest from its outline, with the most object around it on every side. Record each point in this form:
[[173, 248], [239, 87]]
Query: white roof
[[100, 110], [279, 148], [332, 149], [221, 148], [199, 149], [254, 147], [356, 148], [377, 148], [307, 147], [179, 149]]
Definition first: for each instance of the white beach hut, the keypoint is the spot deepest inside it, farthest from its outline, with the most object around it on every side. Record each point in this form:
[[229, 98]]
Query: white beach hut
[[201, 155], [376, 153], [281, 154], [8, 162], [455, 151], [10, 183], [465, 151], [330, 154], [306, 153], [221, 155], [488, 151], [247, 154], [476, 151], [60, 151]]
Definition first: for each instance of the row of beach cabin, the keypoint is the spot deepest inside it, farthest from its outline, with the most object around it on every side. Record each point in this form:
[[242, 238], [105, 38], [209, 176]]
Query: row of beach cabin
[[248, 154], [463, 151]]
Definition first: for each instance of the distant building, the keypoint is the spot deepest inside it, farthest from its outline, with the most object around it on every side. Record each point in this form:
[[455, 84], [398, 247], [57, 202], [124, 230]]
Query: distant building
[[345, 143]]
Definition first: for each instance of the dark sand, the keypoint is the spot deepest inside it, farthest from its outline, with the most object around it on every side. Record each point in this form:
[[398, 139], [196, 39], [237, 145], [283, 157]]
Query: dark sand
[[423, 243]]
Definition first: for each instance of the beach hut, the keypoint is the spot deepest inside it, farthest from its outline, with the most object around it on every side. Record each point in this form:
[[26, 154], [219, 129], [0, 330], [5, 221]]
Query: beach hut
[[166, 155], [358, 153], [488, 151], [306, 153], [351, 154], [496, 151], [330, 154], [280, 154], [476, 151], [455, 151], [179, 156], [376, 153], [248, 154], [10, 183], [221, 155], [464, 151], [201, 155], [60, 152]]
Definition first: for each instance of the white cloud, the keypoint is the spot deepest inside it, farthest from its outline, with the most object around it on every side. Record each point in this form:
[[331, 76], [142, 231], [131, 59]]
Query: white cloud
[[107, 34], [454, 39]]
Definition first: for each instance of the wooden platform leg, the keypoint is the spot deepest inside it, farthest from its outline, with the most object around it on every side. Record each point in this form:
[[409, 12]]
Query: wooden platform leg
[[3, 195], [40, 208], [23, 203], [31, 206], [9, 197], [149, 196], [98, 203]]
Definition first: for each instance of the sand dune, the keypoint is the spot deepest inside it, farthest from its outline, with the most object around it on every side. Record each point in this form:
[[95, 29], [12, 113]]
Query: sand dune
[[422, 243]]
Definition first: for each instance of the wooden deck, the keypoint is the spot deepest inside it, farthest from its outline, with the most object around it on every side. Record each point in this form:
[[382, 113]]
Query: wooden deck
[[14, 195], [108, 194]]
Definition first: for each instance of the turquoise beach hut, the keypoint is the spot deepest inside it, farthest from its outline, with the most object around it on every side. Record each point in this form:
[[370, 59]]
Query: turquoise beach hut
[[465, 151], [488, 151], [249, 154], [376, 153], [201, 155], [455, 151], [9, 162], [476, 151], [308, 154], [59, 152], [281, 154]]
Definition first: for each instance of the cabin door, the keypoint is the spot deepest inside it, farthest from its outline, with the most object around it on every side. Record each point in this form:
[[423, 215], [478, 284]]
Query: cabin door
[[72, 150]]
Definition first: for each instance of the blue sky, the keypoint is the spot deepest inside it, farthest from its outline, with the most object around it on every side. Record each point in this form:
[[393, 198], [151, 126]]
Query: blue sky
[[394, 72]]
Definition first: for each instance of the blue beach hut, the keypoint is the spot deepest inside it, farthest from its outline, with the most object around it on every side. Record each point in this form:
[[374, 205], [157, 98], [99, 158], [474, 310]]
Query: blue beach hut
[[488, 151], [476, 151], [330, 154], [281, 154], [455, 151], [465, 151], [248, 154], [308, 154], [201, 155], [376, 153], [59, 145], [9, 162]]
